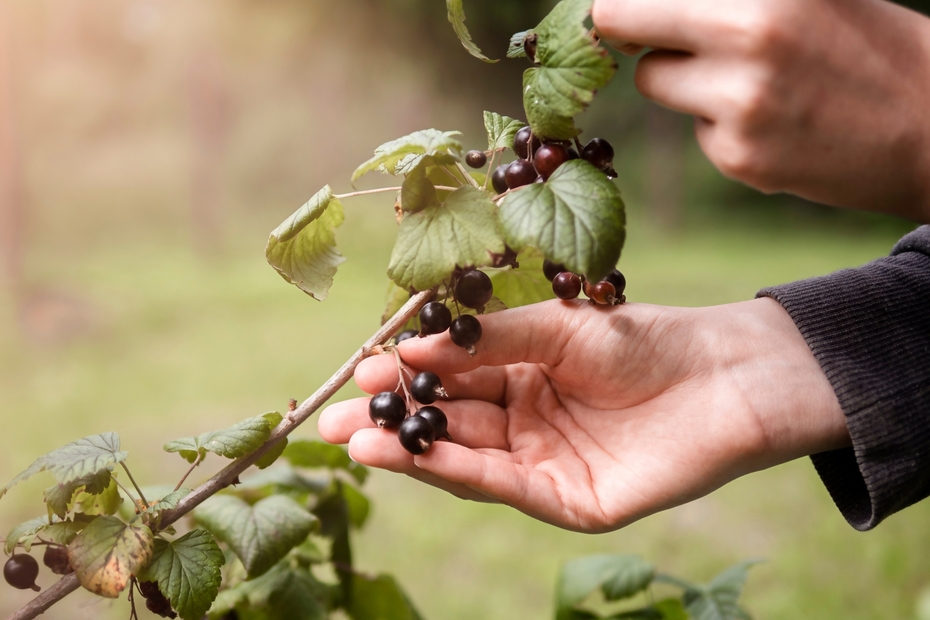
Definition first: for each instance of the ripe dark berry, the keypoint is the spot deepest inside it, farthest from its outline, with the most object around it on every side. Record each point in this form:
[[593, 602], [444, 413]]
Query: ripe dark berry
[[601, 293], [573, 154], [567, 285], [56, 558], [474, 289], [416, 434], [20, 571], [548, 159], [521, 143], [520, 173], [499, 179], [466, 332], [551, 270], [438, 420], [387, 410], [618, 280], [476, 159], [435, 318], [426, 387], [405, 335], [599, 153]]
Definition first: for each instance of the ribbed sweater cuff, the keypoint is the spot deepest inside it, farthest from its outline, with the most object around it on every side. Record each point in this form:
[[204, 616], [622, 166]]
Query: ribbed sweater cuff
[[869, 329]]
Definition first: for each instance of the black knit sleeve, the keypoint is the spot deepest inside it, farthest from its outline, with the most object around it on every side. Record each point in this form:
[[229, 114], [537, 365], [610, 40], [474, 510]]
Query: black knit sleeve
[[869, 329]]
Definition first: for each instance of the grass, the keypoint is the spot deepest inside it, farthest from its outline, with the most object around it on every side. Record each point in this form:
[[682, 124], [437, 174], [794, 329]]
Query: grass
[[147, 338]]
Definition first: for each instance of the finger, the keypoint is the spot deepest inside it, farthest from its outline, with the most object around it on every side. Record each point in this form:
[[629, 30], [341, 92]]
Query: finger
[[678, 81], [338, 422], [380, 448], [667, 25], [379, 373]]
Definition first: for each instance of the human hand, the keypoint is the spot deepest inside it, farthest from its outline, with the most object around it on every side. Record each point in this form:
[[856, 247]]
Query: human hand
[[590, 417], [826, 99]]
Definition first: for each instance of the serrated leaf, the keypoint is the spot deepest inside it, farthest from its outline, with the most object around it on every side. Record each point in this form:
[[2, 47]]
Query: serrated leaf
[[104, 503], [59, 497], [303, 248], [380, 598], [78, 459], [283, 593], [627, 575], [269, 458], [457, 18], [464, 231], [107, 552], [525, 285], [515, 48], [187, 571], [417, 191], [719, 600], [501, 130], [233, 442], [311, 454], [404, 154], [24, 534], [260, 534], [169, 501], [571, 68], [576, 218], [64, 532]]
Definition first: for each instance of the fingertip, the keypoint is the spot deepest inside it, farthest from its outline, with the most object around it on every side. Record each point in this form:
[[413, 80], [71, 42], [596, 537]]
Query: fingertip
[[377, 373]]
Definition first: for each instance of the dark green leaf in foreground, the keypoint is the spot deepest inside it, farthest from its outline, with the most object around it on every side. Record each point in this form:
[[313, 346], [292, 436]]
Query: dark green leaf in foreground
[[82, 458], [672, 609], [312, 454], [457, 19], [403, 155], [515, 49], [619, 576], [232, 443], [525, 285], [303, 248], [501, 130], [380, 598], [268, 459], [719, 600], [576, 218], [464, 231], [260, 534], [187, 571], [285, 592], [169, 501], [107, 552], [571, 68], [418, 191]]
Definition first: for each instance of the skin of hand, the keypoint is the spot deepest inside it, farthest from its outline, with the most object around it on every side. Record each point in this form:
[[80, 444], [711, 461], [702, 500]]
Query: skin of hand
[[826, 99], [591, 417]]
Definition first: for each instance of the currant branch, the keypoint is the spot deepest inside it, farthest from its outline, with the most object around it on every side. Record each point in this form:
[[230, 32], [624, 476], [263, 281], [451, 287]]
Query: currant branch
[[69, 583]]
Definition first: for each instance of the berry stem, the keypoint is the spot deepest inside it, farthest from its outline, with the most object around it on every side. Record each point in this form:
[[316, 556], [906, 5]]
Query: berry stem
[[487, 177], [128, 493], [196, 462], [384, 190], [467, 176], [401, 370], [133, 481]]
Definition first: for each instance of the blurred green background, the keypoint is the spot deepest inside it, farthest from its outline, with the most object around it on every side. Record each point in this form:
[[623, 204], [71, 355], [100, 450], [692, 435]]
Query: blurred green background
[[147, 147]]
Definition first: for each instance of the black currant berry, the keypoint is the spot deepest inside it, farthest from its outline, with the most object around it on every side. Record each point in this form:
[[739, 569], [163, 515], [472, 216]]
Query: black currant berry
[[438, 420], [435, 318], [405, 335], [387, 410], [474, 289], [426, 387], [20, 571], [599, 153], [521, 143], [548, 159], [551, 270], [567, 285], [476, 159], [520, 173], [602, 293], [573, 154], [499, 179], [416, 434], [618, 280], [56, 558], [466, 332]]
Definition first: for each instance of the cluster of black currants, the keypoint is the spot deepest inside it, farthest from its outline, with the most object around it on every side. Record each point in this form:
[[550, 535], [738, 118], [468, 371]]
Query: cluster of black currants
[[537, 160], [155, 601], [21, 570], [428, 424], [567, 285]]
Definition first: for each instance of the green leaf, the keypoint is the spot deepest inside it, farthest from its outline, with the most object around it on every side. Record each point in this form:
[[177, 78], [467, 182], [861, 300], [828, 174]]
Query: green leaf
[[501, 130], [24, 534], [187, 571], [260, 534], [357, 505], [233, 442], [312, 454], [283, 593], [59, 497], [571, 68], [105, 503], [169, 501], [404, 154], [524, 285], [418, 192], [719, 599], [64, 532], [646, 613], [107, 552], [576, 218], [380, 598], [284, 479], [84, 457], [464, 231], [620, 576], [515, 49], [672, 609], [395, 300], [269, 458], [303, 248], [457, 19]]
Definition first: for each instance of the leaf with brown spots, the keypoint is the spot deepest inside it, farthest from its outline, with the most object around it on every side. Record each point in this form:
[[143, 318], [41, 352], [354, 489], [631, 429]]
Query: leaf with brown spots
[[108, 552]]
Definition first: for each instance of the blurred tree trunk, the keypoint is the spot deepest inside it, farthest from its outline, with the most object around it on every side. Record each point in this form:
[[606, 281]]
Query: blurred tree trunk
[[12, 212], [666, 136], [209, 114]]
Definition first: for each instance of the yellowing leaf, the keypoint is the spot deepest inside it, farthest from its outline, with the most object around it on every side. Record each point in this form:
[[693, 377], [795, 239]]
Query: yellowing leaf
[[107, 552]]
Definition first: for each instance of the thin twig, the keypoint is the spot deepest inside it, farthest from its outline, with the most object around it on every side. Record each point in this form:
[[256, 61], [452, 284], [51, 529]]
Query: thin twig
[[466, 174], [127, 492], [401, 370], [133, 481], [196, 462], [69, 583], [382, 190]]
